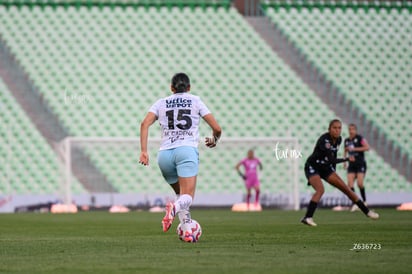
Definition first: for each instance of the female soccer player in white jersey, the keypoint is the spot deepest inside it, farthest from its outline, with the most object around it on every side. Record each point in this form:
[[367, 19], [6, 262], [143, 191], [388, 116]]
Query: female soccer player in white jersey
[[179, 117]]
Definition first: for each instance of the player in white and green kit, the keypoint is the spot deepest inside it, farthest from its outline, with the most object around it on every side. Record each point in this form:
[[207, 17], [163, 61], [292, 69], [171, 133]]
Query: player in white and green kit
[[179, 117]]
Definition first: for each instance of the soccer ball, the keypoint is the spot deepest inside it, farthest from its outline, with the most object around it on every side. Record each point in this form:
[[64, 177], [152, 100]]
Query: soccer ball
[[189, 232]]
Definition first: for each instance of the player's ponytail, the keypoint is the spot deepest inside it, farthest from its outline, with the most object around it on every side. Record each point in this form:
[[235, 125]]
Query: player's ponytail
[[180, 82]]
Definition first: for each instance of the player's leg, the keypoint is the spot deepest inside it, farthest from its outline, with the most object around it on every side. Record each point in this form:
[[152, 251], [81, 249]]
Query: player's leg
[[255, 184], [249, 186], [360, 178], [176, 188], [248, 195], [165, 160], [187, 163], [351, 180], [182, 205], [351, 184], [187, 193], [257, 194], [337, 182], [316, 182]]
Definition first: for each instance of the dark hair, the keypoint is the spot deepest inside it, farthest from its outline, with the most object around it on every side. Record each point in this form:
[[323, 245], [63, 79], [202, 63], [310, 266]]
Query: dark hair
[[333, 121], [180, 82], [353, 125]]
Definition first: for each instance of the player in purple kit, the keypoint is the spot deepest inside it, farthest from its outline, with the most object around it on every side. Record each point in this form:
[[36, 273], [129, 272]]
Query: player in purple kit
[[250, 164]]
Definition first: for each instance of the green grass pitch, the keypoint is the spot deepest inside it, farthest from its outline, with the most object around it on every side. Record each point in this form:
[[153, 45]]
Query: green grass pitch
[[271, 241]]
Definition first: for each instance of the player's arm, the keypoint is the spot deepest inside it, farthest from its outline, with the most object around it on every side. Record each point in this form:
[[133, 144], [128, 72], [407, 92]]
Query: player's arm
[[237, 167], [334, 160], [342, 160], [364, 147], [346, 147], [325, 147], [144, 133], [216, 130]]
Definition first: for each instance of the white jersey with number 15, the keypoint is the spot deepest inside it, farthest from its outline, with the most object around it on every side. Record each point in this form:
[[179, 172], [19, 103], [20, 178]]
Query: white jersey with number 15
[[179, 117]]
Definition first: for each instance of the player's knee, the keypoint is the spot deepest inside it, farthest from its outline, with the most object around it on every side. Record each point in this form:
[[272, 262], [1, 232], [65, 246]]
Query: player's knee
[[320, 191]]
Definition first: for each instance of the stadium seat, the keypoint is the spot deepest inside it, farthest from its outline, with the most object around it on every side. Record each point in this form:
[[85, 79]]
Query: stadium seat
[[371, 48], [29, 163], [115, 62]]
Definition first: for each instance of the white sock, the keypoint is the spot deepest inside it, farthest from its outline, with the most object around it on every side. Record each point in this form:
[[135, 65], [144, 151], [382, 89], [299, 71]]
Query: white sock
[[184, 216], [182, 206], [183, 203]]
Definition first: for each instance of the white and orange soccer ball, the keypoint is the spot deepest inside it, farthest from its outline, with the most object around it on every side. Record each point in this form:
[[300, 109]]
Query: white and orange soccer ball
[[189, 232]]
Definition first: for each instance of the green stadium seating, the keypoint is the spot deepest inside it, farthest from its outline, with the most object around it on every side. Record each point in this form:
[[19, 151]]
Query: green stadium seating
[[99, 70], [366, 53], [28, 163]]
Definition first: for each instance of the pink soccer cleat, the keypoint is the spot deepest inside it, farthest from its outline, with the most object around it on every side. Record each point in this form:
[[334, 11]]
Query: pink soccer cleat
[[169, 216]]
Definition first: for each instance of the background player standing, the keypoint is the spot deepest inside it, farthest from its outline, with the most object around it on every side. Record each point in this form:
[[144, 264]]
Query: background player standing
[[250, 164], [321, 164], [179, 117], [355, 146]]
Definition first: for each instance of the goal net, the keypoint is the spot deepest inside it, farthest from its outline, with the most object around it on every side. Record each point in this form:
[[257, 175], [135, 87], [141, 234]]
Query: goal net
[[105, 171]]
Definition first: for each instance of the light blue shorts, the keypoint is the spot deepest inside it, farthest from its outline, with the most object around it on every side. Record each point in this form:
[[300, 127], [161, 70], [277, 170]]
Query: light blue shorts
[[178, 162]]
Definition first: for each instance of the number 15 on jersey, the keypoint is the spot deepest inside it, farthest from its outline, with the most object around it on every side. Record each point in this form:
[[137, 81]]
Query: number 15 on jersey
[[183, 119]]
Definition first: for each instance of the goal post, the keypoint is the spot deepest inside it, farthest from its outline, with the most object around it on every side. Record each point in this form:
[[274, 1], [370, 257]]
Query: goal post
[[108, 166]]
